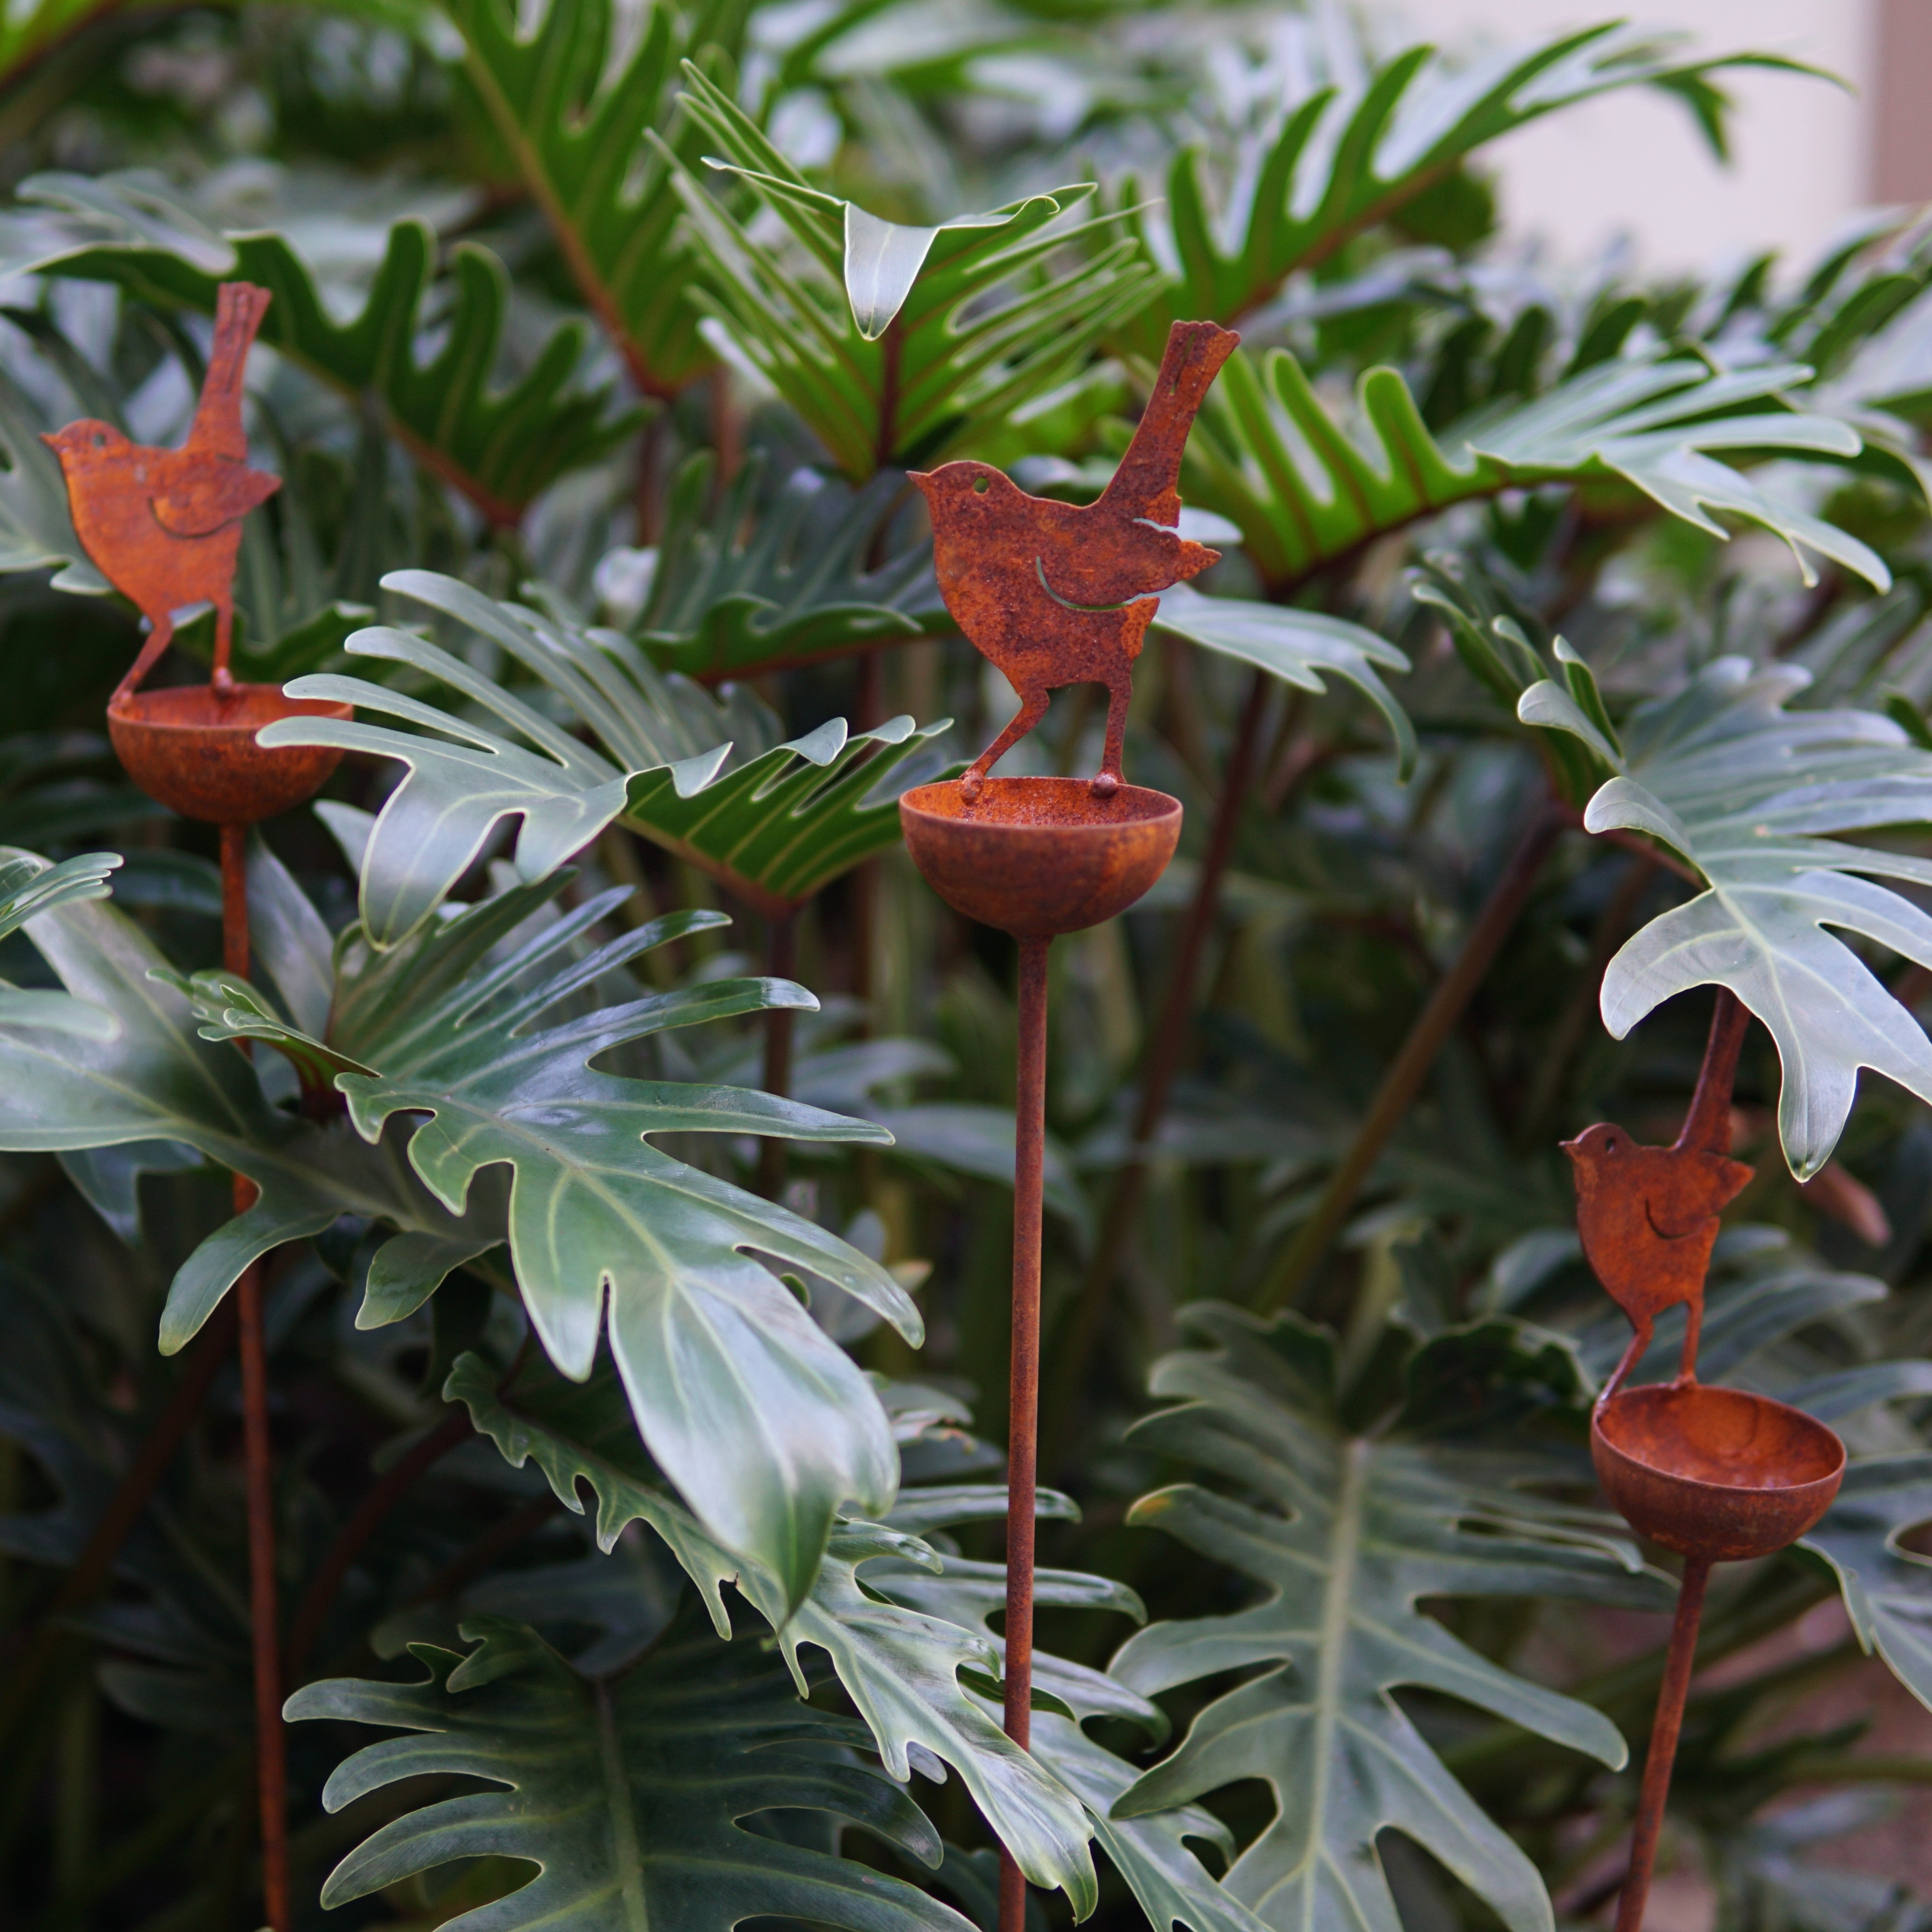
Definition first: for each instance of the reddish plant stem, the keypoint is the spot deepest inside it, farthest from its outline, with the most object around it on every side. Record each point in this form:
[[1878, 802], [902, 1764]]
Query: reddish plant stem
[[1663, 1752], [1707, 1122], [1291, 1275], [781, 962], [1165, 1046], [1023, 1382], [130, 1497], [271, 1751], [389, 1490]]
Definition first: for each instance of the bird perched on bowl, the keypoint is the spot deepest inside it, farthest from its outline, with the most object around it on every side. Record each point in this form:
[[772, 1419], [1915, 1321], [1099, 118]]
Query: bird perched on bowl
[[164, 526], [1062, 593], [1648, 1218]]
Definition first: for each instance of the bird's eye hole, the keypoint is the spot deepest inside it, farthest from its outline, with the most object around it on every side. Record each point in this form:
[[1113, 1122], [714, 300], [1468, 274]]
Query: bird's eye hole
[[100, 441], [1610, 1145], [980, 486]]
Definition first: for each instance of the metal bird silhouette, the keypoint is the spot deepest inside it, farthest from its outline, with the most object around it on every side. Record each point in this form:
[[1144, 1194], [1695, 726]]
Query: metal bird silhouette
[[1648, 1218], [164, 526], [1062, 593]]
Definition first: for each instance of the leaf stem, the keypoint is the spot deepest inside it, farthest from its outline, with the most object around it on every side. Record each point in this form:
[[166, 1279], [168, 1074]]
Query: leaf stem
[[389, 1490], [781, 962], [1289, 1280]]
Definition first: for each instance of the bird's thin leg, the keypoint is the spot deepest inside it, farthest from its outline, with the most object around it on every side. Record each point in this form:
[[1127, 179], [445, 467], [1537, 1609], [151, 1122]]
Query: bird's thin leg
[[159, 639], [224, 639], [1033, 709], [1119, 696], [1640, 1347], [1693, 1324]]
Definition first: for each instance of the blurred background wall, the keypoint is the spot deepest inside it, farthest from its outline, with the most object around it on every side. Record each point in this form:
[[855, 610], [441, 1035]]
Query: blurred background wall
[[1807, 156]]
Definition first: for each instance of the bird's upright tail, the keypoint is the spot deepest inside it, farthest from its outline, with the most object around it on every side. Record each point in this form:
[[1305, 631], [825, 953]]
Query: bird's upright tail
[[238, 310], [1146, 485]]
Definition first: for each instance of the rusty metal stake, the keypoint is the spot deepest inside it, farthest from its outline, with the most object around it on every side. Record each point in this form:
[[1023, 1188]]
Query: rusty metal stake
[[1719, 1475], [1663, 1752], [1023, 1380], [271, 1775]]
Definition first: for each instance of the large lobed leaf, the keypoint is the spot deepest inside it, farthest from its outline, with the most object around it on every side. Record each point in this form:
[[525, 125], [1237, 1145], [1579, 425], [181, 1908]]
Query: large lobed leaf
[[1755, 795], [898, 345], [1353, 152], [631, 1795], [763, 1423], [499, 448], [1346, 1534], [1305, 489], [578, 134], [774, 822], [734, 595]]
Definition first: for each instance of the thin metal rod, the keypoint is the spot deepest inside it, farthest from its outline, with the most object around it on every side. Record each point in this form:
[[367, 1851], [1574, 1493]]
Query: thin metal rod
[[781, 962], [1162, 1061], [1023, 1383], [271, 1751], [1287, 1281], [1663, 1752]]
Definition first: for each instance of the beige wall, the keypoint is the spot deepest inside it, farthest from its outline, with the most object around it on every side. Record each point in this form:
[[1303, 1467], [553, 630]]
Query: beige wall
[[1807, 154]]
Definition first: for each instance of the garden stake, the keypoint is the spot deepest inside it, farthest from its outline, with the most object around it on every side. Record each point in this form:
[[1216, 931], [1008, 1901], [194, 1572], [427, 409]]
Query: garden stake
[[1717, 1474], [164, 526], [1053, 603]]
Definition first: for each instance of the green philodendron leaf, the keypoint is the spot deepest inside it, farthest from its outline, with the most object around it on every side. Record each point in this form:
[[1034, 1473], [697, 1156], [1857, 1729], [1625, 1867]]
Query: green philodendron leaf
[[153, 1079], [1755, 796], [1356, 150], [735, 594], [629, 1794], [1887, 1588], [901, 1666], [499, 448], [774, 822], [1345, 1535], [1297, 647], [30, 887], [896, 345], [36, 530], [578, 135], [1304, 489], [764, 1425]]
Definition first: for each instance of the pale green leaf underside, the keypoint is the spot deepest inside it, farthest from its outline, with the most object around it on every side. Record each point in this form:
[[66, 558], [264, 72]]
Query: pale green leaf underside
[[1758, 798]]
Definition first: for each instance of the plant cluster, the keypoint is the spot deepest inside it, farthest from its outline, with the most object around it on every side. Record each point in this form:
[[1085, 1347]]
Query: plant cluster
[[636, 1316]]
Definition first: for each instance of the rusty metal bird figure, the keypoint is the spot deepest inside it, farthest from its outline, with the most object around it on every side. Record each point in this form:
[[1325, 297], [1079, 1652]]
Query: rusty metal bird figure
[[164, 526], [1648, 1216], [1062, 593]]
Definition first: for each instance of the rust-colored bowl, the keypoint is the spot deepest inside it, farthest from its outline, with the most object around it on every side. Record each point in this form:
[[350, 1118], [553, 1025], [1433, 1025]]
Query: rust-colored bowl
[[1714, 1472], [193, 748], [1036, 857]]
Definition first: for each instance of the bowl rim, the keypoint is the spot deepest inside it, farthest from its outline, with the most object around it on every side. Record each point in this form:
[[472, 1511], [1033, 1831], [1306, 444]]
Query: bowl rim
[[1599, 1434], [1168, 807]]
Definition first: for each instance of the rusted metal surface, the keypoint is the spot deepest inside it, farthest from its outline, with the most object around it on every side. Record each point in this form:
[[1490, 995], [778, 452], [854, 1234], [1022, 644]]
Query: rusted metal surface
[[271, 1776], [1037, 857], [1719, 1475], [193, 747], [1648, 1216], [1663, 1752], [1061, 593], [1023, 1376], [164, 526], [1054, 595]]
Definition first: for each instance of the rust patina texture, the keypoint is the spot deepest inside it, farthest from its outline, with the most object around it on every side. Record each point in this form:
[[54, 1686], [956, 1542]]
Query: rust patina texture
[[1719, 1475], [1037, 857], [1054, 594], [1062, 593], [164, 526], [193, 747]]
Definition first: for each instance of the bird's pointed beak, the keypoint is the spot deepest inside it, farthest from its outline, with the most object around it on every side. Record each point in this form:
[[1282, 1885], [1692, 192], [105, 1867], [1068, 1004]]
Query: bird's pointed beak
[[1574, 1149], [921, 477]]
